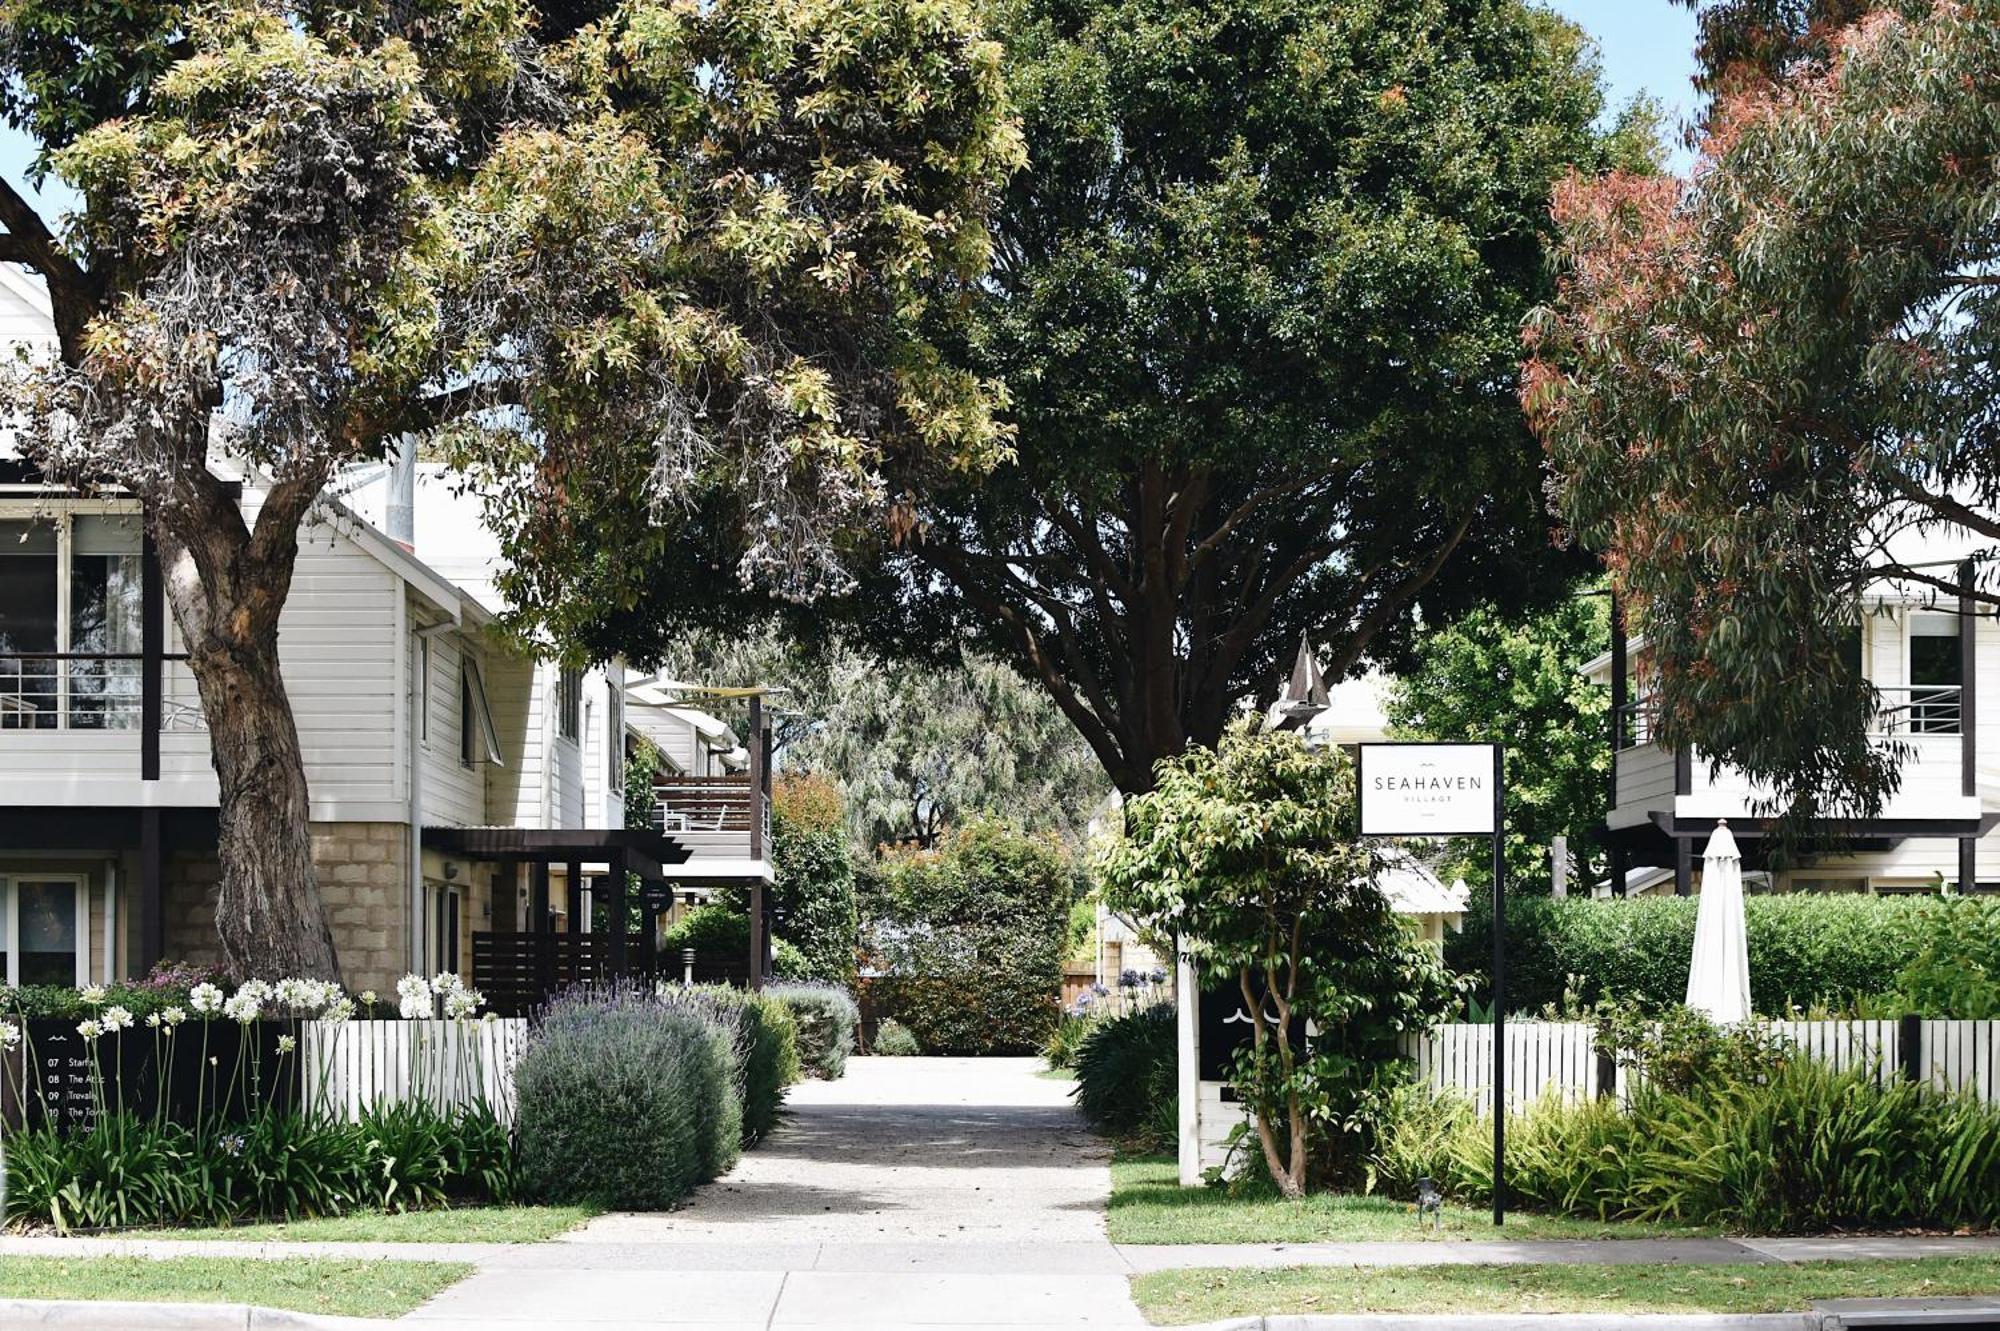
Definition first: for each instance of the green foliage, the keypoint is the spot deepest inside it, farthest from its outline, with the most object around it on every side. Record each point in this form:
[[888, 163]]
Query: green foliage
[[966, 941], [1518, 681], [1068, 1036], [1805, 950], [827, 1018], [1954, 967], [1126, 1080], [1249, 851], [894, 1040], [1750, 375], [643, 765], [624, 1102], [1682, 1052], [813, 879], [138, 1172], [764, 1050], [1264, 278], [1804, 1150], [717, 933]]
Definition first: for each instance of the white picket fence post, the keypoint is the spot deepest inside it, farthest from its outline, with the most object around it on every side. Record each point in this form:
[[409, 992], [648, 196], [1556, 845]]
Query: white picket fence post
[[358, 1064], [1546, 1057]]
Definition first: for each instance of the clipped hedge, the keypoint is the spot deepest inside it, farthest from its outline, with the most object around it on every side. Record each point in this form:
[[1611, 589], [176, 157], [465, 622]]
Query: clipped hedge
[[624, 1102], [720, 938], [967, 940], [827, 1018], [1805, 949]]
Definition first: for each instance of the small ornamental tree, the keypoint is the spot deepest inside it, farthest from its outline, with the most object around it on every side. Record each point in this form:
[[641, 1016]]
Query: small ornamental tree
[[1249, 852]]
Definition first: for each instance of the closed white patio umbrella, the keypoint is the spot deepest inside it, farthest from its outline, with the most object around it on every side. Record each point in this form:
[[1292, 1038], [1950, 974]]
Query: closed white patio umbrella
[[1719, 978]]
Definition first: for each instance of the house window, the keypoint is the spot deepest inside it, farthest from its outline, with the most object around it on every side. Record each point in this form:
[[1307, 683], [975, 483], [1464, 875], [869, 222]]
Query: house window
[[1936, 672], [569, 700], [614, 742], [423, 688], [44, 929], [447, 928], [70, 589], [478, 738]]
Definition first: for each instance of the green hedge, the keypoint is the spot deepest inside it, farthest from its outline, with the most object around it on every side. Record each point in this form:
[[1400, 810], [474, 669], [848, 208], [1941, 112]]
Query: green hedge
[[967, 940], [720, 935], [1804, 949], [765, 1042], [1126, 1075]]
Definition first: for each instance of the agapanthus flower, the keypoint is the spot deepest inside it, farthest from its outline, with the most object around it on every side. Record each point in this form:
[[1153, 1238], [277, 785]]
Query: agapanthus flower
[[338, 1011], [294, 992], [117, 1018], [174, 1016], [462, 1002], [205, 998], [243, 1007], [93, 994], [258, 989], [447, 982], [89, 1028], [287, 1043], [152, 1021], [10, 1035]]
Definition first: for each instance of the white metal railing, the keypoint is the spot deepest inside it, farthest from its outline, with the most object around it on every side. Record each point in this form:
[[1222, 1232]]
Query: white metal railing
[[85, 691], [1902, 711]]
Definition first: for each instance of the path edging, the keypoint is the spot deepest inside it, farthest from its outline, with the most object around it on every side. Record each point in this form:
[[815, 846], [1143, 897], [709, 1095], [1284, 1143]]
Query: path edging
[[1836, 1315], [119, 1315]]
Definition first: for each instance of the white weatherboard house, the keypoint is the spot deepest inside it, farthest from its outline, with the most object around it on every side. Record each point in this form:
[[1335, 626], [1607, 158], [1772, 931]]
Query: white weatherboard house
[[1934, 660], [467, 795]]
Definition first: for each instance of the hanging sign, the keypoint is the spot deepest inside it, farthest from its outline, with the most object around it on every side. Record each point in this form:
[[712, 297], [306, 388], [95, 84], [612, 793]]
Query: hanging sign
[[1428, 790]]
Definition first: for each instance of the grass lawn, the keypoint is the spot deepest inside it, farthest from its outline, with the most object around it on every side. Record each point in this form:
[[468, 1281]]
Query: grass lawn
[[1176, 1297], [314, 1285], [471, 1224], [1148, 1205]]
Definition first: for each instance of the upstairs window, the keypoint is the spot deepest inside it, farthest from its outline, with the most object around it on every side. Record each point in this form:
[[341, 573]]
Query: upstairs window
[[478, 737], [70, 593], [569, 703], [1936, 674]]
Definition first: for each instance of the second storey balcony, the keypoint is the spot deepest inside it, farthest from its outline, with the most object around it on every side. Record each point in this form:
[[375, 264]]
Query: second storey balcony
[[724, 821], [1927, 723]]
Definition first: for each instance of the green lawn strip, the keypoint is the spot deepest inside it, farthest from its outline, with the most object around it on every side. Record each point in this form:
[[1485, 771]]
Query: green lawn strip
[[1148, 1205], [330, 1285], [471, 1224], [1176, 1297]]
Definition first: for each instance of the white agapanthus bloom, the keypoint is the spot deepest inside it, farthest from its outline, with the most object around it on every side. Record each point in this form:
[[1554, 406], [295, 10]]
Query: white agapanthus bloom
[[93, 994], [294, 992], [287, 1043], [258, 989], [205, 998], [89, 1028], [10, 1035], [243, 1007], [117, 1018], [338, 1011], [415, 995], [175, 1016], [447, 982], [152, 1021], [462, 1002]]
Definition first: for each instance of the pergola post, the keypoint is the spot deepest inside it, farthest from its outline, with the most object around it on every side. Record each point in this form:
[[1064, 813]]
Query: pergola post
[[621, 928]]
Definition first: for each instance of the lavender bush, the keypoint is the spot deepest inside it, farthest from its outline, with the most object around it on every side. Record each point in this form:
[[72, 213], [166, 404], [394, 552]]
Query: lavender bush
[[625, 1099], [827, 1018]]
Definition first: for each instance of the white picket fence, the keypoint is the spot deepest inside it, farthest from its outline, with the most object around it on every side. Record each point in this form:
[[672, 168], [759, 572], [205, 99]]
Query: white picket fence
[[358, 1064], [1560, 1058]]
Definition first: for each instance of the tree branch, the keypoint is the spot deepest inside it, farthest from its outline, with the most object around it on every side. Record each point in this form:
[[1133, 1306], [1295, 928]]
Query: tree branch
[[29, 241]]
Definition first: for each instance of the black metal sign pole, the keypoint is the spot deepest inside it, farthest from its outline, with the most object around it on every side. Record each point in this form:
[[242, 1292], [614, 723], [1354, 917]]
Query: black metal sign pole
[[1499, 985]]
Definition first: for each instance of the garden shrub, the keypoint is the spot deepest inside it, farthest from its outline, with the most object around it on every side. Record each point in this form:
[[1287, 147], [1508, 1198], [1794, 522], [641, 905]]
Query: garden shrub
[[1067, 1038], [1126, 1079], [812, 891], [624, 1101], [967, 940], [1805, 949], [1805, 1151], [720, 935], [763, 1046], [1954, 965], [827, 1018], [893, 1040]]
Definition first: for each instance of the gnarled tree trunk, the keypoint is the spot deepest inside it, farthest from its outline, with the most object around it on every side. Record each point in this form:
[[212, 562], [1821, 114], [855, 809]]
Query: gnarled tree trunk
[[226, 585]]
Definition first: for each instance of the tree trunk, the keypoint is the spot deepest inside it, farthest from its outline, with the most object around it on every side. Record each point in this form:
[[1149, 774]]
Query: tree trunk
[[226, 588]]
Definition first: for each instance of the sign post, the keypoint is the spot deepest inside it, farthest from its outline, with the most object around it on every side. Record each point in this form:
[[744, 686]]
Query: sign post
[[1441, 789]]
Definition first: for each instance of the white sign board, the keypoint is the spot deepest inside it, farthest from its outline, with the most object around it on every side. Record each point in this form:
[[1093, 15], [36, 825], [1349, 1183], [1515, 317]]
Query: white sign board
[[1427, 789]]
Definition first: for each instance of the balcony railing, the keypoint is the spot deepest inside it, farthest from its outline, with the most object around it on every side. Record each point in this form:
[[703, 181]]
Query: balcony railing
[[1904, 711], [83, 691], [704, 804]]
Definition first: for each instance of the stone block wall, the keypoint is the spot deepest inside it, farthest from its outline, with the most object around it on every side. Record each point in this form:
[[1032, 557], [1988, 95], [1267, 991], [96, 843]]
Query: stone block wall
[[363, 869]]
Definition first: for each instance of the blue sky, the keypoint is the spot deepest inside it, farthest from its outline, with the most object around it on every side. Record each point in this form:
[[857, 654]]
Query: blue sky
[[1647, 45]]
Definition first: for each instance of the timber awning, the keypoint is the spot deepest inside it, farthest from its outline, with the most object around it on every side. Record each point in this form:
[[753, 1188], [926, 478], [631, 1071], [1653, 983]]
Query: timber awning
[[640, 850]]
